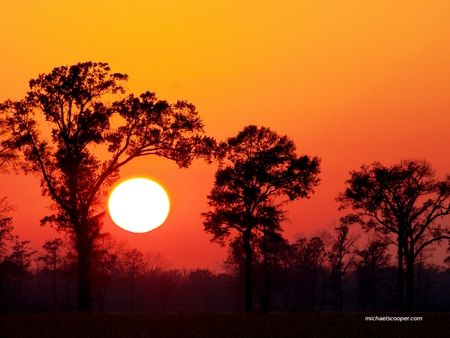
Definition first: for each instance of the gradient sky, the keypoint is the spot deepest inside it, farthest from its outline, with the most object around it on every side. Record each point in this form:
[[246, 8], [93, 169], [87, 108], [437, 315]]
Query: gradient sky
[[350, 81]]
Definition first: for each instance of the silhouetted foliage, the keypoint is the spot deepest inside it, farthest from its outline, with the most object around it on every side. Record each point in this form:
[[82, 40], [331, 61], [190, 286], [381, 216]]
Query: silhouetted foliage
[[20, 261], [104, 262], [6, 237], [53, 260], [131, 266], [311, 267], [341, 257], [72, 101], [370, 273], [234, 265], [269, 248], [405, 200], [8, 155], [259, 173], [6, 227]]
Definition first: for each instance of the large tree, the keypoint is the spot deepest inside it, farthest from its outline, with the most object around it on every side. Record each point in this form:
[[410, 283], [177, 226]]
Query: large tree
[[76, 142], [259, 173], [405, 201]]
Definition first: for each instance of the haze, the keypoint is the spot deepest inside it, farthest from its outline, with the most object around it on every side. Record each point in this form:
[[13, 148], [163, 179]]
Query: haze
[[351, 82]]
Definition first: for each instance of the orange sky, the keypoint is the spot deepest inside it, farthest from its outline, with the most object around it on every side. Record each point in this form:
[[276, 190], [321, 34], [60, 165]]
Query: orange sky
[[350, 81]]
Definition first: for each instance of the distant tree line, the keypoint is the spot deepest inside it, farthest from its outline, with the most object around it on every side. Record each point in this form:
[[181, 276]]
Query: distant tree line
[[326, 271]]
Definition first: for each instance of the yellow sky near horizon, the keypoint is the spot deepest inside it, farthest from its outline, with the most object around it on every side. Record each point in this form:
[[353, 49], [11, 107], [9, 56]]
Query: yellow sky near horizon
[[350, 81]]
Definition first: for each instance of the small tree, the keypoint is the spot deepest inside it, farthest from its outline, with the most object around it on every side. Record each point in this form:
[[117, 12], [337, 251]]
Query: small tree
[[53, 259], [372, 262], [155, 263], [131, 266], [6, 227], [405, 200], [310, 262], [341, 257], [104, 263], [260, 172], [64, 153], [21, 260], [267, 251], [6, 236], [234, 265]]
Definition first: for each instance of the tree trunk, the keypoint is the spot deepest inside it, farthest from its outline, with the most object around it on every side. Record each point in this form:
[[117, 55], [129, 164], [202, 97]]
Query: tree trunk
[[54, 285], [401, 308], [132, 293], [339, 291], [409, 283], [266, 277], [373, 289], [267, 282], [248, 273], [1, 287], [84, 266]]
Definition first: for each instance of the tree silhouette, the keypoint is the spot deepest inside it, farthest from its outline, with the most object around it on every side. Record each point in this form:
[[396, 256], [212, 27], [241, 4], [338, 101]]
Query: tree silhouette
[[105, 261], [131, 266], [259, 173], [340, 256], [6, 227], [53, 259], [310, 260], [6, 235], [68, 151], [21, 260], [371, 264], [234, 265], [404, 200], [267, 249]]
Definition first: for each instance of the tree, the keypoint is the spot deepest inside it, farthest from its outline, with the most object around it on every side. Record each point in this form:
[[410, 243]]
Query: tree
[[6, 235], [155, 263], [234, 265], [310, 260], [68, 270], [340, 256], [85, 141], [285, 273], [131, 267], [373, 260], [267, 249], [53, 260], [21, 261], [259, 173], [406, 201], [6, 227], [165, 287]]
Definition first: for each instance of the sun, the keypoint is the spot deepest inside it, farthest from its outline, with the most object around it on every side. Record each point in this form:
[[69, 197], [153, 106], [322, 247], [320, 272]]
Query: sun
[[138, 205]]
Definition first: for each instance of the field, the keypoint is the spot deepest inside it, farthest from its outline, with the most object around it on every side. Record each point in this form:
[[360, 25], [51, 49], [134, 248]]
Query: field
[[218, 325]]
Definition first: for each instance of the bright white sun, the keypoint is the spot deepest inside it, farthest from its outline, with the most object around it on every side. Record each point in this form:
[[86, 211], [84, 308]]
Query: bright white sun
[[138, 205]]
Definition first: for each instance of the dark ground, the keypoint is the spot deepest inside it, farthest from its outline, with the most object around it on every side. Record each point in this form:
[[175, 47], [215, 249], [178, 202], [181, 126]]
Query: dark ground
[[219, 325]]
